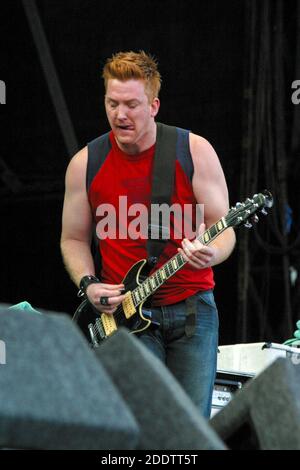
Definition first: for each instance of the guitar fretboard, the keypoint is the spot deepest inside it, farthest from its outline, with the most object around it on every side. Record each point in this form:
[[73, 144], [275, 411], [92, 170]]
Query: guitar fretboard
[[159, 277]]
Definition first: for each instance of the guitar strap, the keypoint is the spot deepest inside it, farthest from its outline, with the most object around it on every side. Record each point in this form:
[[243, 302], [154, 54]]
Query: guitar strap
[[162, 189]]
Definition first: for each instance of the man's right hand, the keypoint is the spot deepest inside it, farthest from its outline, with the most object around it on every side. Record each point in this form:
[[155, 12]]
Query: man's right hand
[[114, 293]]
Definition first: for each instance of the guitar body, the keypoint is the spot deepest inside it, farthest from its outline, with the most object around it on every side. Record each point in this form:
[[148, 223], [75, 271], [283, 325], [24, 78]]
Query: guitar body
[[87, 315]]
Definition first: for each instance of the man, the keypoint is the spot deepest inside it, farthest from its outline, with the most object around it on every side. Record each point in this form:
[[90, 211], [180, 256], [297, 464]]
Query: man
[[132, 84]]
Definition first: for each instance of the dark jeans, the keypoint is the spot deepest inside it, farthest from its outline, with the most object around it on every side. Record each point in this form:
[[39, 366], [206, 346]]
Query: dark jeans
[[192, 360]]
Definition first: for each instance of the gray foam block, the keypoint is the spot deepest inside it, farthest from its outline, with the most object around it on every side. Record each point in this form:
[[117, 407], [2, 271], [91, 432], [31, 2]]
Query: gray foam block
[[265, 413], [54, 394], [167, 417]]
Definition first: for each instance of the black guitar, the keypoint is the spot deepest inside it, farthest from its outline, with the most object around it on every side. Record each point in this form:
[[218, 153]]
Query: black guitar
[[131, 313]]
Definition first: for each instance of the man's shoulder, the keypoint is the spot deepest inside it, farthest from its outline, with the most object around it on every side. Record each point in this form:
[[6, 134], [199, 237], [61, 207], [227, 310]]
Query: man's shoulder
[[203, 154], [200, 143], [78, 161], [75, 174], [80, 155]]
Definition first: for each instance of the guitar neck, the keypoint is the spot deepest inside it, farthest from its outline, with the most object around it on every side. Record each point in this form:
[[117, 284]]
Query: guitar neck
[[171, 267]]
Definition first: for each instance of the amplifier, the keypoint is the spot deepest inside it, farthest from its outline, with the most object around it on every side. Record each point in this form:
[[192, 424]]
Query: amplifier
[[226, 384], [238, 363]]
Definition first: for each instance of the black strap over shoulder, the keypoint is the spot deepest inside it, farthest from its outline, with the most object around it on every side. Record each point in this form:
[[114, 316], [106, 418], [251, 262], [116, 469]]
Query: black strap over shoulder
[[162, 188]]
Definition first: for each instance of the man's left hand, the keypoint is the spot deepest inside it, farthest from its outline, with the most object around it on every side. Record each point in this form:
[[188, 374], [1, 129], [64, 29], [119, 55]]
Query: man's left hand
[[196, 254]]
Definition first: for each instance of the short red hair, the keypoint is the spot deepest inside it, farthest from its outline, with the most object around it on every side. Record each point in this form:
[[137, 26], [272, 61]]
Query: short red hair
[[138, 65]]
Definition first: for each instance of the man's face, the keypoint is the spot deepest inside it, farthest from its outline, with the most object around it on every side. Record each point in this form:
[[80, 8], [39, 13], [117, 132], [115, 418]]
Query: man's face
[[129, 112]]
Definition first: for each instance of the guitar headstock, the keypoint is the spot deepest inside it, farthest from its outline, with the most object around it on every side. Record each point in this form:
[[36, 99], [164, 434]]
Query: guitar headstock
[[245, 213]]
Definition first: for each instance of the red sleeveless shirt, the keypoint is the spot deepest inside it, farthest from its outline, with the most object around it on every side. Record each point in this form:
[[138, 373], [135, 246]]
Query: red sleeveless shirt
[[130, 176]]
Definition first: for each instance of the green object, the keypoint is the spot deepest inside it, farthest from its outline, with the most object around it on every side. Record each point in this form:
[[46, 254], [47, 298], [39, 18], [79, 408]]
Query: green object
[[24, 306], [296, 340], [292, 342]]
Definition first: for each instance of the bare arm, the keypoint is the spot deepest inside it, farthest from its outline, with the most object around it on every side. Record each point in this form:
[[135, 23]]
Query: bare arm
[[210, 189], [76, 234], [77, 221]]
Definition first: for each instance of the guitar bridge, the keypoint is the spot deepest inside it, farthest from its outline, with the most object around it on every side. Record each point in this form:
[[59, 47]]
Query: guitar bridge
[[109, 324]]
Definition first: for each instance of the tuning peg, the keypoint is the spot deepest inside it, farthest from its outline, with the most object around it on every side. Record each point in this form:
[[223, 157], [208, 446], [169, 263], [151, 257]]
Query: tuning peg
[[248, 225], [264, 211], [255, 219], [237, 206], [268, 198]]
